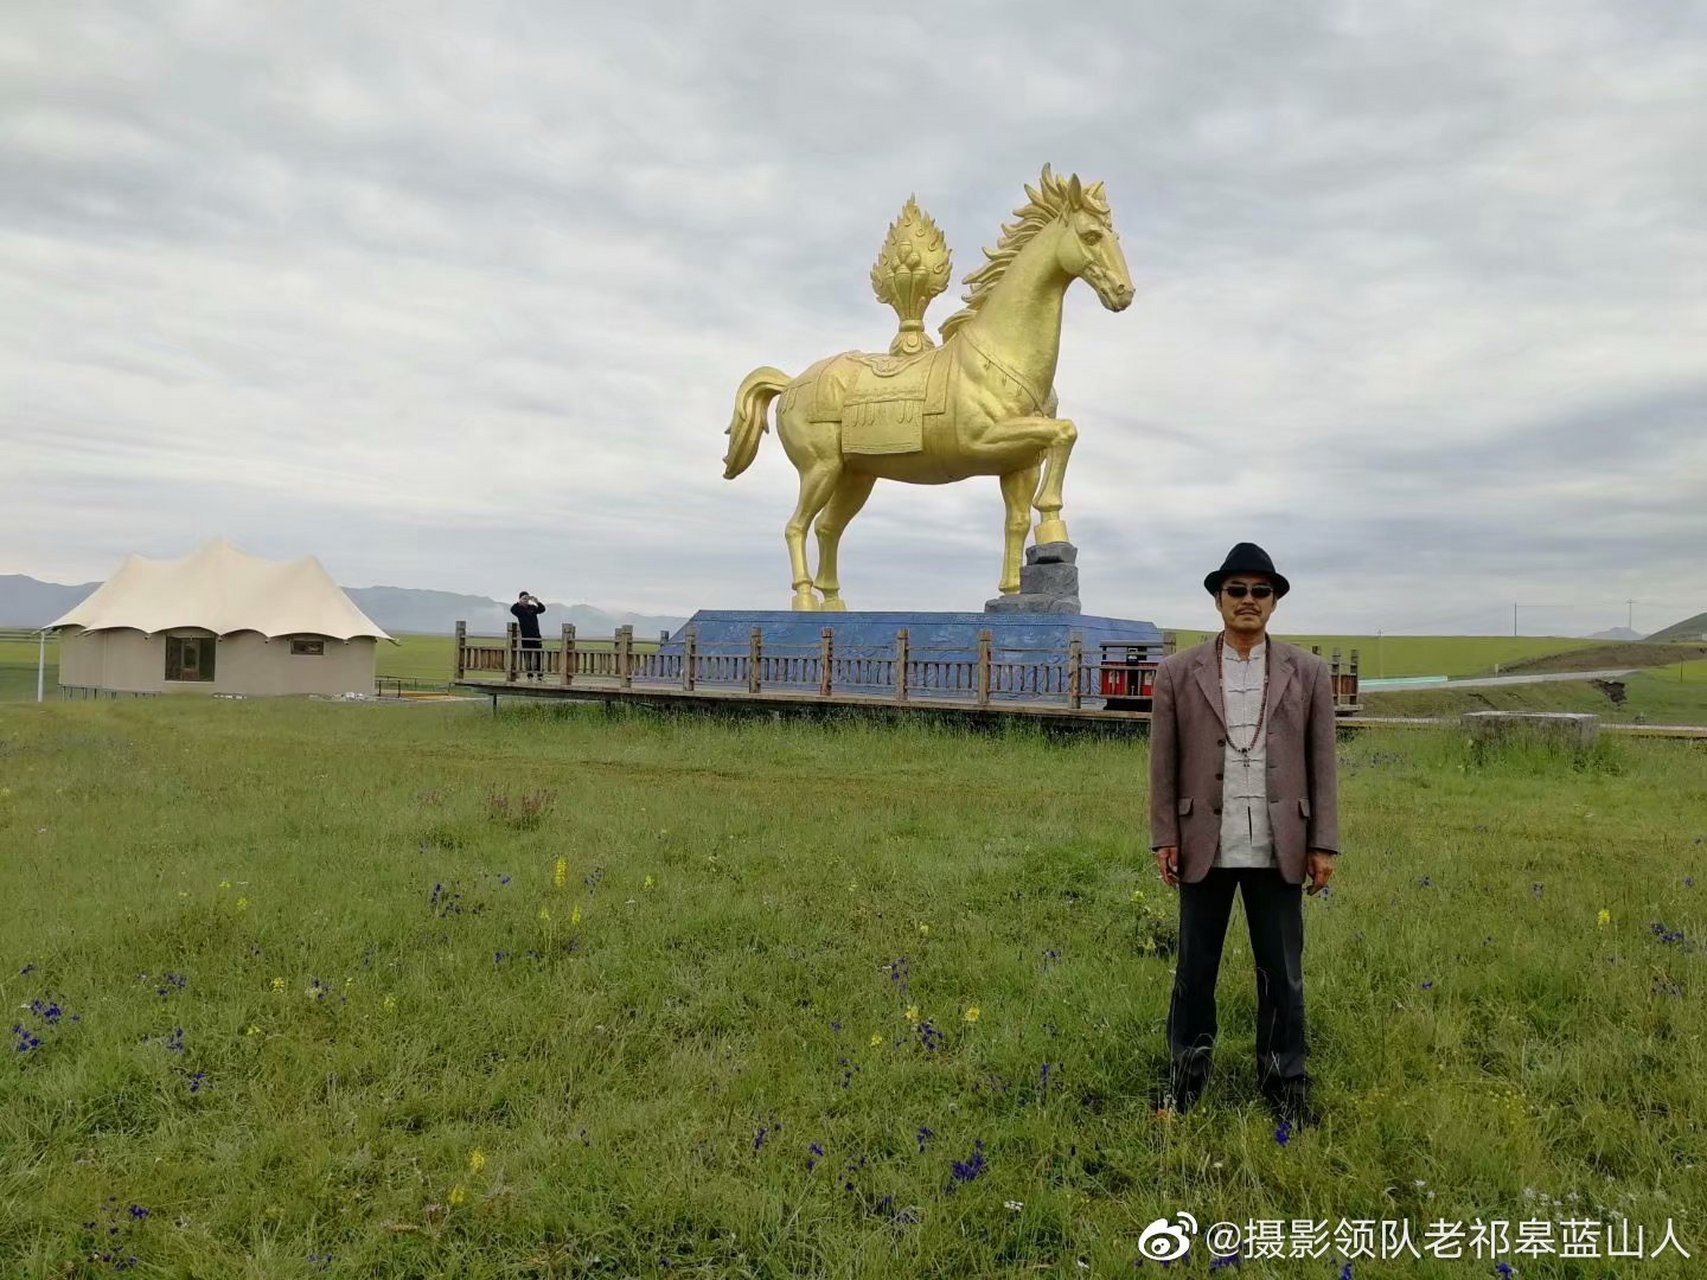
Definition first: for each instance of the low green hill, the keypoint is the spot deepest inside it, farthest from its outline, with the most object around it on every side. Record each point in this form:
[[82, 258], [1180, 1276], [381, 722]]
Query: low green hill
[[1689, 629]]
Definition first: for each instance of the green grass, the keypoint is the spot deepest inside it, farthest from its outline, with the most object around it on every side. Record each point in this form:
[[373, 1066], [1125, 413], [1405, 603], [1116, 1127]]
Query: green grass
[[1455, 656], [1661, 695], [351, 913]]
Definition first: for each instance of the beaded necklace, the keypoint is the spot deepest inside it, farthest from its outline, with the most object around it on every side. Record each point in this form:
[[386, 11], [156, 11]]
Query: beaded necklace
[[1262, 715]]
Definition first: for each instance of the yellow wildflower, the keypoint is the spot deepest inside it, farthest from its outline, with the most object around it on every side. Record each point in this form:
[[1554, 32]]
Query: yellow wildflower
[[924, 928], [253, 1030], [575, 914], [560, 875], [971, 1014], [476, 1160], [457, 1194], [225, 884], [242, 904], [278, 984], [1137, 895], [876, 1040], [544, 914], [649, 882], [1603, 919], [390, 1001], [912, 1014]]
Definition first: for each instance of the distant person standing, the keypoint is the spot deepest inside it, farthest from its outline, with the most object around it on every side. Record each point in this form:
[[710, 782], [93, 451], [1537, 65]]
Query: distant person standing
[[527, 610], [1243, 798]]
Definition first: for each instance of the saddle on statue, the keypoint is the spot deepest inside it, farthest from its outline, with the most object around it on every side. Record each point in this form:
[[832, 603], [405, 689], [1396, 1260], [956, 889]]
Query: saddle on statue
[[881, 401]]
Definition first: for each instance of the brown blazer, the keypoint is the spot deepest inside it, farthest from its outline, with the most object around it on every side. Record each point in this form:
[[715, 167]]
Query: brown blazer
[[1188, 736]]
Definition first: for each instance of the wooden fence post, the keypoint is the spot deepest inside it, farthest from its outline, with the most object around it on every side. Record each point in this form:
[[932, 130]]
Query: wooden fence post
[[461, 649], [625, 655], [568, 654], [984, 667], [826, 656], [690, 651], [1334, 674], [1351, 693], [510, 657], [755, 658], [1075, 660], [901, 657]]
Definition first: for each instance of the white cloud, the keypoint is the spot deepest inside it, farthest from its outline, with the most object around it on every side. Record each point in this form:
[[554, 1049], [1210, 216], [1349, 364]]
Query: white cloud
[[450, 298]]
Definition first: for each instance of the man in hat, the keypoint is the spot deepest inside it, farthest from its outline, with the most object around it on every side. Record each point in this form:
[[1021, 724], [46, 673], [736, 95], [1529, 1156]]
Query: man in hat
[[1243, 796]]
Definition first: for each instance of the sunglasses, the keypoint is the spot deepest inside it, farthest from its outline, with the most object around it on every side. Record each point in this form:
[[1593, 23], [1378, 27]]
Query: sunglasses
[[1237, 590]]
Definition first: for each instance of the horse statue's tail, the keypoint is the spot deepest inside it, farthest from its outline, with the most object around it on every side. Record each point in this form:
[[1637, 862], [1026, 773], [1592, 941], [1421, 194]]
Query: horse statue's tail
[[750, 420]]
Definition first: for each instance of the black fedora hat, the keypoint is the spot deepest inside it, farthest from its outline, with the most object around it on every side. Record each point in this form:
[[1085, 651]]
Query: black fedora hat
[[1247, 557]]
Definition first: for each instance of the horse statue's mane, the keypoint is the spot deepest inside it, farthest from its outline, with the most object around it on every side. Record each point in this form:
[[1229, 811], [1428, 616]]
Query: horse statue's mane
[[1049, 200]]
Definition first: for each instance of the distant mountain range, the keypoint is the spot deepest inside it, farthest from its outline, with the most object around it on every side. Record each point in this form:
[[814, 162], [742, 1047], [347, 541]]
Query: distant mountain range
[[1616, 633], [26, 602]]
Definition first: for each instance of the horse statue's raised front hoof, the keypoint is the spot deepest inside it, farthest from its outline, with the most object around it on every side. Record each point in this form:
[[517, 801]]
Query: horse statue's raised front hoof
[[805, 601]]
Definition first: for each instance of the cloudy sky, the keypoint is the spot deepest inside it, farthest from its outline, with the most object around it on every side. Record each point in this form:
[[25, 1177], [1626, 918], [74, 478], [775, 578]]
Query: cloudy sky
[[458, 296]]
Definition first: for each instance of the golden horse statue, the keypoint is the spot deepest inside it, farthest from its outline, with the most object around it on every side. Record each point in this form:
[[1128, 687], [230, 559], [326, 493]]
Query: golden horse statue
[[983, 403]]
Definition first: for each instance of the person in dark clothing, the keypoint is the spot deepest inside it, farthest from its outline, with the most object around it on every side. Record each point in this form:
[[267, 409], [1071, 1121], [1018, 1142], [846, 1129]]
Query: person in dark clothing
[[527, 610]]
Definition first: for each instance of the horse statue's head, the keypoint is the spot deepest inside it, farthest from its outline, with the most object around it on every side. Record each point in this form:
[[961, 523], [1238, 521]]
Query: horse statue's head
[[1068, 219], [1089, 249]]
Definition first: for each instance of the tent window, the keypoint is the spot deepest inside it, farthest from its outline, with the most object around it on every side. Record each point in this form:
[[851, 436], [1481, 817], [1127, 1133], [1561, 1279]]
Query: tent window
[[189, 658], [308, 648]]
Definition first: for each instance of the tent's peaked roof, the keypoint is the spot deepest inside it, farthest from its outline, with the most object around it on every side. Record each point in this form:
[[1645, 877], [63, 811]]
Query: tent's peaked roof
[[222, 590]]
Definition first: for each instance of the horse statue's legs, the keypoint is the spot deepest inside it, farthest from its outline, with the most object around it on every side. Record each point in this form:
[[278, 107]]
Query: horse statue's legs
[[817, 484], [1018, 490], [1015, 445], [851, 492], [1050, 526]]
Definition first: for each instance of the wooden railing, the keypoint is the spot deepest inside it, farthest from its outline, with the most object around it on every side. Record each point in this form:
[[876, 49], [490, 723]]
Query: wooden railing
[[907, 671]]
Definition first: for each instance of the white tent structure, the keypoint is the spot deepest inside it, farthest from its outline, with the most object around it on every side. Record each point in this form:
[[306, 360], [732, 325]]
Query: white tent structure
[[218, 621]]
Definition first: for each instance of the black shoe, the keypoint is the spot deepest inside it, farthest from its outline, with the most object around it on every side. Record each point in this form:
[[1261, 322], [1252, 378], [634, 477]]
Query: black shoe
[[1181, 1095], [1291, 1103]]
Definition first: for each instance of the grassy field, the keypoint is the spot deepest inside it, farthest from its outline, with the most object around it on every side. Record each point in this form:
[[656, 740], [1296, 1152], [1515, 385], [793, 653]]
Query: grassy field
[[306, 989], [1660, 695], [1454, 656]]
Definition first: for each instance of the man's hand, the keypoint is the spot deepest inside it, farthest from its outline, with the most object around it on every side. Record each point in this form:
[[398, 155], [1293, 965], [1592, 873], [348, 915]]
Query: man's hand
[[1167, 862], [1320, 866]]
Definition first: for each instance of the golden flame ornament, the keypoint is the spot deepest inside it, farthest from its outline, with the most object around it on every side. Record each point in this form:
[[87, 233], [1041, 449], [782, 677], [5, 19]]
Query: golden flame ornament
[[911, 269]]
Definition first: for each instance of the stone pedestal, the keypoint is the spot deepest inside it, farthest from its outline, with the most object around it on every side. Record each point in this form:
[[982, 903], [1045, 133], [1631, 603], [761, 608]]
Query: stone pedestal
[[1048, 582]]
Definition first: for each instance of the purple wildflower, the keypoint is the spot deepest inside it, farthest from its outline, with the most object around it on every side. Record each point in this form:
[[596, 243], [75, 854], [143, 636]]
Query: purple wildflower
[[1283, 1134], [1503, 1270], [1345, 1272], [137, 1212], [1225, 1260], [1429, 985], [817, 1154], [969, 1170], [924, 1135]]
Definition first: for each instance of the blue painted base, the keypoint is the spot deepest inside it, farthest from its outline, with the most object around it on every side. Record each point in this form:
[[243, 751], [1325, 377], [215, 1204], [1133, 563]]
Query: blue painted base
[[948, 637]]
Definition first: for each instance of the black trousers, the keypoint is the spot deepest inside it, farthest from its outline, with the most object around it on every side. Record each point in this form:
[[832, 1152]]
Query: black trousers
[[531, 655], [1274, 911]]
